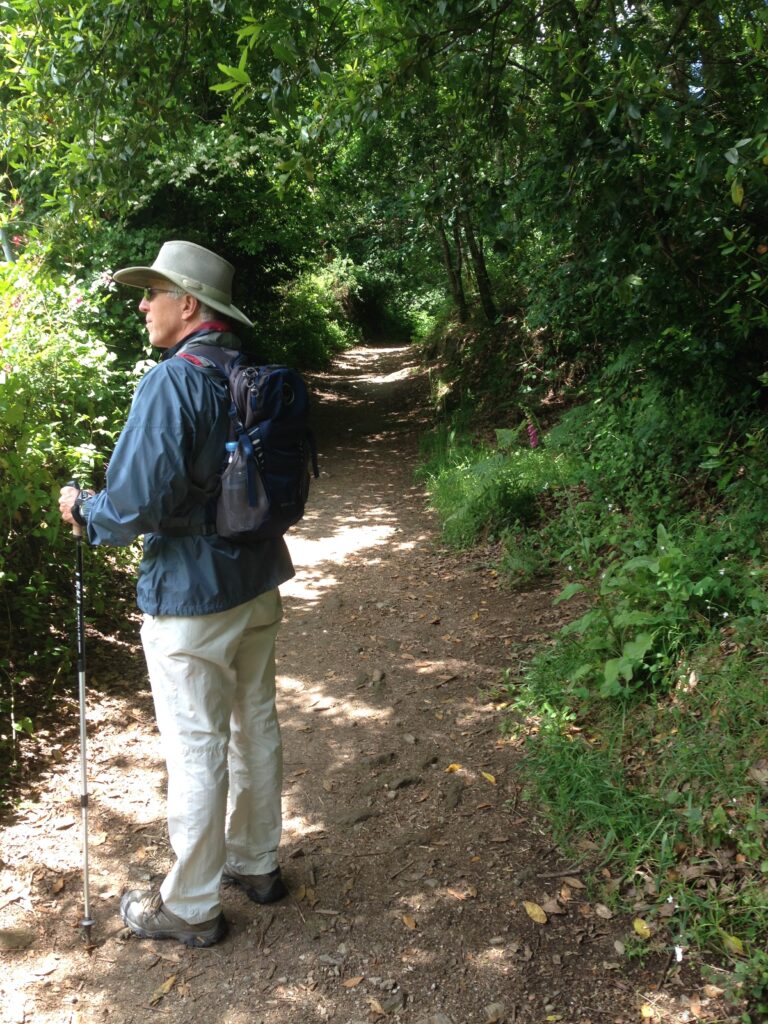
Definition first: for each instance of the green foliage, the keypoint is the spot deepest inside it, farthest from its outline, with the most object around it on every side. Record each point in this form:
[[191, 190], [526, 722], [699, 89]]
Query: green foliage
[[480, 491], [648, 610], [62, 401], [642, 444], [307, 326]]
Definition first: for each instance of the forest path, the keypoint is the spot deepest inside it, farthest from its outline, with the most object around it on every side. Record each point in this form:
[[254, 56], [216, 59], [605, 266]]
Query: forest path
[[408, 848]]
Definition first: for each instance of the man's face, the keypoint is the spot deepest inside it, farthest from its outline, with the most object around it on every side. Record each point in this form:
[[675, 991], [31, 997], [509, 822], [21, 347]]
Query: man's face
[[163, 310]]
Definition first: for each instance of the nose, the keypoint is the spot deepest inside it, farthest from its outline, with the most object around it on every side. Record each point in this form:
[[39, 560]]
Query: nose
[[143, 305]]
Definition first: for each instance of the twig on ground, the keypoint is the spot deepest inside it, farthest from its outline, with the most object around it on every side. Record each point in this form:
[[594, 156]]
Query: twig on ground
[[264, 930], [665, 971], [560, 874], [296, 904], [400, 870]]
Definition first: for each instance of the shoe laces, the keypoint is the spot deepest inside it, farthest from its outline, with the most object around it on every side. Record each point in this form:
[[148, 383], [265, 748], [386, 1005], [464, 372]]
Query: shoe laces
[[151, 902]]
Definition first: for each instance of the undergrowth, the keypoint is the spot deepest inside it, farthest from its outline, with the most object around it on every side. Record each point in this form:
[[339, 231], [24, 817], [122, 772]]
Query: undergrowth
[[643, 725]]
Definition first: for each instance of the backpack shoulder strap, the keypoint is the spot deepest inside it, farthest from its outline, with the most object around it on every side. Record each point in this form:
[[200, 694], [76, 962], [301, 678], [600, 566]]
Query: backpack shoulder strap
[[211, 357]]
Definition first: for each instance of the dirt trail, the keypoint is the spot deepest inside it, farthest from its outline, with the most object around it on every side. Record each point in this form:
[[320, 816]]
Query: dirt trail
[[408, 879]]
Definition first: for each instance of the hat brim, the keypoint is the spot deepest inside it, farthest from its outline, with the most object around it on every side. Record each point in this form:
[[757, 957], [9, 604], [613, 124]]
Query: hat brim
[[146, 277]]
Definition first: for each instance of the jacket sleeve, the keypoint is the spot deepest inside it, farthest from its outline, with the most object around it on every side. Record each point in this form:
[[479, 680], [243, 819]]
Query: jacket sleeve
[[148, 476]]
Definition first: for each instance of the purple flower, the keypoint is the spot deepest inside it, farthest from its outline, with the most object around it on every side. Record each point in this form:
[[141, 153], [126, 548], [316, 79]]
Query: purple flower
[[533, 435]]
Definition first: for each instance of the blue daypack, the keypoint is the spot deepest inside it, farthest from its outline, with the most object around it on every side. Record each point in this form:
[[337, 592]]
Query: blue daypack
[[265, 479]]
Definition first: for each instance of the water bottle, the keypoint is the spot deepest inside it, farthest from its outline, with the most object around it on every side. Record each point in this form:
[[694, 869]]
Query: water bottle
[[235, 514]]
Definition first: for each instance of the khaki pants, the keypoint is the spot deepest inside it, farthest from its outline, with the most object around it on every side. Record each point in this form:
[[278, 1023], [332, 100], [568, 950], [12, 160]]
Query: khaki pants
[[213, 683]]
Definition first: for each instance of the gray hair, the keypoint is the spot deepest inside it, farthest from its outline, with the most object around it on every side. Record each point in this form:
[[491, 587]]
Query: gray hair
[[203, 311]]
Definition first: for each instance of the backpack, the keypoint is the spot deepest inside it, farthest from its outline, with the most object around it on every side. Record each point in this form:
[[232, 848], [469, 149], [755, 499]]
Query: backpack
[[265, 479]]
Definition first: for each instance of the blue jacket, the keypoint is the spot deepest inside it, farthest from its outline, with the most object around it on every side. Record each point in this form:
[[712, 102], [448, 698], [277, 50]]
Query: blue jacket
[[177, 425]]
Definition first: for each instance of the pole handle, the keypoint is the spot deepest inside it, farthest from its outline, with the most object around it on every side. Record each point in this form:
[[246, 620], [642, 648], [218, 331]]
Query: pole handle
[[77, 530]]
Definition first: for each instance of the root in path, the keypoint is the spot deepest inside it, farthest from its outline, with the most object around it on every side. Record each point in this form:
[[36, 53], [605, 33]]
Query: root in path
[[408, 847]]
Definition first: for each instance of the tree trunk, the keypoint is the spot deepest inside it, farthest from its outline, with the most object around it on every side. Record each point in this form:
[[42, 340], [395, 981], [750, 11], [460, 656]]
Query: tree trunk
[[8, 252], [484, 287], [454, 271]]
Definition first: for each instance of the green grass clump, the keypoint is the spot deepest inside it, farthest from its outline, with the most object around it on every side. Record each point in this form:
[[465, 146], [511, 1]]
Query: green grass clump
[[480, 491]]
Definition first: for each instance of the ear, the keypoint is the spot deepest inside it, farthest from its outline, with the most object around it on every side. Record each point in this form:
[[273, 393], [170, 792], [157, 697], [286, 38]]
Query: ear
[[189, 306]]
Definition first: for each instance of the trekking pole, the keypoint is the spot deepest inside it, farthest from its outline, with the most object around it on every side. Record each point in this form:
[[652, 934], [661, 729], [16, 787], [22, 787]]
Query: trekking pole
[[87, 922]]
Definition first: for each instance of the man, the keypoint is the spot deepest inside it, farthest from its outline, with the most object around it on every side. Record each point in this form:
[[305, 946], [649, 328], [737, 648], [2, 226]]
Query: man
[[211, 608]]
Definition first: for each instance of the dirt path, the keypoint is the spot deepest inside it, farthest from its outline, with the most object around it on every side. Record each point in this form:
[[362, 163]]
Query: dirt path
[[408, 878]]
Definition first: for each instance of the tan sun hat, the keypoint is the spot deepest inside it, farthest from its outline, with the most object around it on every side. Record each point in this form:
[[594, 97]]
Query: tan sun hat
[[193, 269]]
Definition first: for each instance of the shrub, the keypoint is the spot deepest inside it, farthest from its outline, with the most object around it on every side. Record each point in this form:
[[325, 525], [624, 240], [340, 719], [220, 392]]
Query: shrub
[[62, 402]]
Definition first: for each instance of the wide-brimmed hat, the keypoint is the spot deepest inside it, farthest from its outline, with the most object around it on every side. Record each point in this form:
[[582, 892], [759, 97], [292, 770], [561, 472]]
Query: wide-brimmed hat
[[193, 269]]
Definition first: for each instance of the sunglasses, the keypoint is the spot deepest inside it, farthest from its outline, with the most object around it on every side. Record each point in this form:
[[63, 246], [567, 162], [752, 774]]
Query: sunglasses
[[150, 293]]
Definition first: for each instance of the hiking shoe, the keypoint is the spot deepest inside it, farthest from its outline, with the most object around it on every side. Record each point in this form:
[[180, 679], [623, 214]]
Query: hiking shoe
[[260, 888], [147, 917]]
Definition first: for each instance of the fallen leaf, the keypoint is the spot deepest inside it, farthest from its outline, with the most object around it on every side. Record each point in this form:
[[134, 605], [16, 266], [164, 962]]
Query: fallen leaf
[[553, 907], [58, 885], [642, 928], [574, 883], [733, 944], [535, 912], [647, 1012], [163, 990], [712, 991], [489, 778], [98, 839], [463, 894], [409, 922], [352, 982], [602, 911], [453, 767]]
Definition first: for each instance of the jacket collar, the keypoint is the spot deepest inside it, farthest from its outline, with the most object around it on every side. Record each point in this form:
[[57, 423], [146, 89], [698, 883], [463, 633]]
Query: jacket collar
[[208, 327]]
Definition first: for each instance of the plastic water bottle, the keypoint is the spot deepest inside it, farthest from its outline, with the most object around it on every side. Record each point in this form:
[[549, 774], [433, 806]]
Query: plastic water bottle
[[235, 516]]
